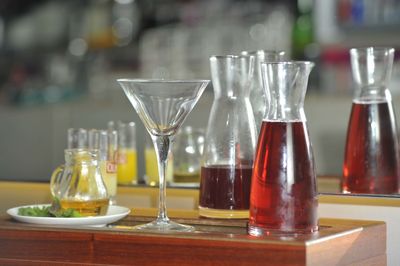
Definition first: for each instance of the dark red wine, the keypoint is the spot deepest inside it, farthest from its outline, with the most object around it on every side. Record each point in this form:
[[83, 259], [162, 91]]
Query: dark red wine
[[283, 191], [371, 163], [224, 187]]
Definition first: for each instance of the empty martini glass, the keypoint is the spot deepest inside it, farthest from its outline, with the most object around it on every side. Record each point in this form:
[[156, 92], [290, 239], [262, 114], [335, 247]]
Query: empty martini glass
[[163, 105]]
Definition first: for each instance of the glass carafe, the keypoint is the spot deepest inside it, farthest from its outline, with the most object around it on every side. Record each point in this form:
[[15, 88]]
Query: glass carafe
[[78, 184], [371, 163], [230, 140], [283, 197], [258, 98]]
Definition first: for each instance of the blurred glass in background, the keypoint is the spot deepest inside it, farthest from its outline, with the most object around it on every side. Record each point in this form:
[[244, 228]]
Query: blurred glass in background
[[187, 150]]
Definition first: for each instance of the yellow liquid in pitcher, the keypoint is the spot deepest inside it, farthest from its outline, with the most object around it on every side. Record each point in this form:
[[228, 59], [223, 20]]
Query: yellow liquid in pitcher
[[127, 166], [87, 208]]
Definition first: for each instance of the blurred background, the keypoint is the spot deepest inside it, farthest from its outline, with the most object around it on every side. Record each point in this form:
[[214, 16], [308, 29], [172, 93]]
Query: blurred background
[[59, 61]]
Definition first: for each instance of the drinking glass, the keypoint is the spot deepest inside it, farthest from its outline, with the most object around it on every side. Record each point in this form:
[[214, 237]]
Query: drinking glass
[[77, 138], [105, 141], [127, 155], [163, 106], [371, 163], [283, 197], [187, 154]]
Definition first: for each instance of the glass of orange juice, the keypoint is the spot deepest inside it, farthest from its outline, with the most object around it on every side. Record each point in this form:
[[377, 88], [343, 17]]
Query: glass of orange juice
[[127, 155]]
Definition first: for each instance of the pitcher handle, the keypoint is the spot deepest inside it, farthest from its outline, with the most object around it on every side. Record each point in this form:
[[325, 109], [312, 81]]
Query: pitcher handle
[[55, 181]]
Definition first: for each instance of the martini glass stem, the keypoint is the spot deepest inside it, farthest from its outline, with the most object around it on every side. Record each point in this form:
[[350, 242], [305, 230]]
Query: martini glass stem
[[162, 146]]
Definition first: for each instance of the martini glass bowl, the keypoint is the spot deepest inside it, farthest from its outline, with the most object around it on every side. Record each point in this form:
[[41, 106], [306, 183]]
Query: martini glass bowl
[[163, 106]]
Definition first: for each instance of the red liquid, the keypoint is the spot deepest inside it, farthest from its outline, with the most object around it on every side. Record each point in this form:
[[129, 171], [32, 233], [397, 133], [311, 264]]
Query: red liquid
[[283, 191], [223, 187], [371, 163]]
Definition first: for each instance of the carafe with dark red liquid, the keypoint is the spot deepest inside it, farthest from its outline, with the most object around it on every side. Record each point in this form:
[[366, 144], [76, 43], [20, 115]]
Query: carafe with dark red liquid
[[230, 140], [371, 163], [283, 198]]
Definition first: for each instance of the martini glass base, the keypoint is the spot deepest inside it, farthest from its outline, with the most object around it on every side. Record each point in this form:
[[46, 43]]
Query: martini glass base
[[164, 227]]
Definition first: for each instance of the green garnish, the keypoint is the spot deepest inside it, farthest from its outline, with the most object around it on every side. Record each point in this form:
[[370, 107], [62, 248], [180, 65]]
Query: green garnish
[[34, 211], [49, 211], [70, 212]]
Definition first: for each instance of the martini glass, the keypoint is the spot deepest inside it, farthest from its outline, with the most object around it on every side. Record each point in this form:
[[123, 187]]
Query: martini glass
[[163, 106]]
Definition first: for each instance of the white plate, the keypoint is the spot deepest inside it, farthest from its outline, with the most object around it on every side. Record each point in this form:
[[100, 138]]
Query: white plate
[[114, 213]]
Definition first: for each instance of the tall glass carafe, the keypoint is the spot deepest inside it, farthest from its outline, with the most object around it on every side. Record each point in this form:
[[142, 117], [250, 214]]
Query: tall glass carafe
[[258, 99], [230, 140], [371, 163], [283, 197]]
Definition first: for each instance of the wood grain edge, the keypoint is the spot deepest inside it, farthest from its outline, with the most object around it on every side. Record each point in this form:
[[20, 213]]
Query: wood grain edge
[[360, 244], [137, 250]]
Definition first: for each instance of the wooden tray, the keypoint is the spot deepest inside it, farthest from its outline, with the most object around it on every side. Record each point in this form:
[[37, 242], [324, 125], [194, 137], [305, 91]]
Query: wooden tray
[[215, 242]]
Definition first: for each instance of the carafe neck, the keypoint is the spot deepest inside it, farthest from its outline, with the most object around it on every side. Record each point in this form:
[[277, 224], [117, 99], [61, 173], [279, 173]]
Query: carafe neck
[[372, 68], [231, 93], [285, 84], [372, 94], [231, 76]]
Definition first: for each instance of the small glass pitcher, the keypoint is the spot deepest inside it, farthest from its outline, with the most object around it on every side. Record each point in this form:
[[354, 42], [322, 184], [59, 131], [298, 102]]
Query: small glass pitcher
[[79, 185], [283, 198]]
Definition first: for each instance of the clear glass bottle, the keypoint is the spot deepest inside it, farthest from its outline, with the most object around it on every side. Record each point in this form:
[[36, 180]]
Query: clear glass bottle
[[371, 163], [283, 193], [258, 98], [229, 146]]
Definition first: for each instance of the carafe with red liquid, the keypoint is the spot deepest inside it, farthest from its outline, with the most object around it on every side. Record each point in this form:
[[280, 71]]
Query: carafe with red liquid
[[371, 161], [283, 198], [230, 140]]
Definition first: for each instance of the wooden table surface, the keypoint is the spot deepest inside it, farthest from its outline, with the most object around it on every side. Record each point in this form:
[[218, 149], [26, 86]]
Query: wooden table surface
[[215, 242]]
